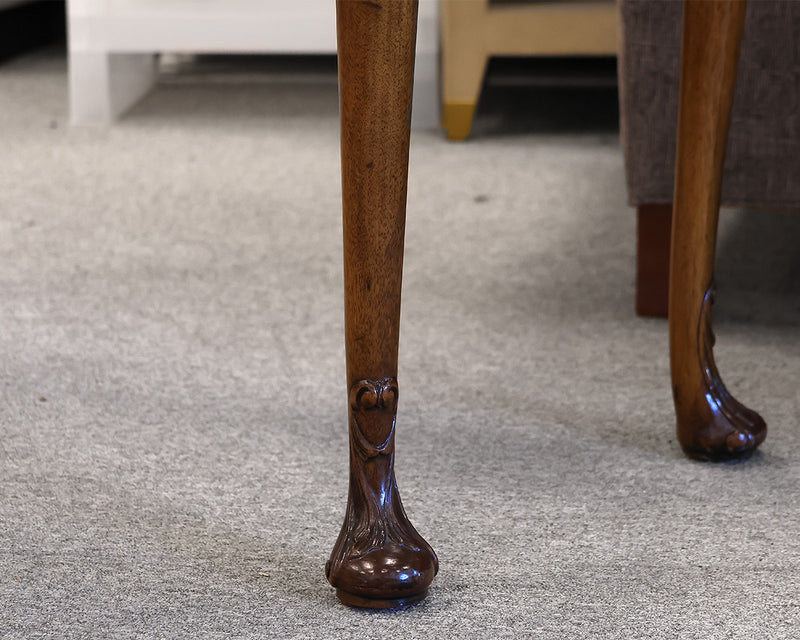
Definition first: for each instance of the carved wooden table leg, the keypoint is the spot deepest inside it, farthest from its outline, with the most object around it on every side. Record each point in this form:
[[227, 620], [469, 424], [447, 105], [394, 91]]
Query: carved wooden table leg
[[379, 559], [712, 425]]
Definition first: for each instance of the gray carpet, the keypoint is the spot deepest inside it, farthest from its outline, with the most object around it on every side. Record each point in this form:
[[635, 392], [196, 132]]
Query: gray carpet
[[173, 435]]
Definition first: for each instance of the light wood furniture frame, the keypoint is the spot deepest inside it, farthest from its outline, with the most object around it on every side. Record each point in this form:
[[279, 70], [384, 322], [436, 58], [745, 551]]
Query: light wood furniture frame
[[475, 30]]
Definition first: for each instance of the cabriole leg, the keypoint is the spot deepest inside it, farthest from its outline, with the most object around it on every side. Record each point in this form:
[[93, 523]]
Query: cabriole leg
[[379, 560], [712, 425]]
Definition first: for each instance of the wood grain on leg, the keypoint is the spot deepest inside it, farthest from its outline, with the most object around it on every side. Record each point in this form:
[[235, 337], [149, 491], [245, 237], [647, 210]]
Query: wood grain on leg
[[379, 559], [711, 424]]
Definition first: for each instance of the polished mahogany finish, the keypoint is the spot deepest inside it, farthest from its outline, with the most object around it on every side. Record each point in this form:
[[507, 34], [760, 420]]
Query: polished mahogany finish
[[653, 235], [379, 560], [711, 424]]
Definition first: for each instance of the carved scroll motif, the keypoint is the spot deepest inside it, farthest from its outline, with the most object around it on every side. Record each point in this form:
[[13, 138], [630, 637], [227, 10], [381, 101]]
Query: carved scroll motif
[[373, 406]]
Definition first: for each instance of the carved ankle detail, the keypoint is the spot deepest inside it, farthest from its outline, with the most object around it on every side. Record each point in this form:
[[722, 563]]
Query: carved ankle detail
[[717, 426], [373, 407], [379, 558]]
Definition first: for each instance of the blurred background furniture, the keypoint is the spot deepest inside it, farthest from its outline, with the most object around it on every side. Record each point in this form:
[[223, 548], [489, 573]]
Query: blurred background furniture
[[113, 45], [763, 153], [474, 30]]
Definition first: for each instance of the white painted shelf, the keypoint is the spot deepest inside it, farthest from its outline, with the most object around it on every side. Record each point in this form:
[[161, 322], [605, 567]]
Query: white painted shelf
[[113, 43]]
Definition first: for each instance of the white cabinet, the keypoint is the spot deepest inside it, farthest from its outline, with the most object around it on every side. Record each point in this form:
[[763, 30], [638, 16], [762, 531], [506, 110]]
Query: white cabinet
[[112, 45]]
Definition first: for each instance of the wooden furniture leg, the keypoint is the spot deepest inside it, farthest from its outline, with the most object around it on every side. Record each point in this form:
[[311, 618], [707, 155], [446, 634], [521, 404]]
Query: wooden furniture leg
[[379, 560], [464, 58], [653, 234], [474, 30], [711, 424]]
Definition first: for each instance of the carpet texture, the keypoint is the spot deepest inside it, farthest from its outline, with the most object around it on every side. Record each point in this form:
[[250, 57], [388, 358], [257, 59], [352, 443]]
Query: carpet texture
[[173, 449]]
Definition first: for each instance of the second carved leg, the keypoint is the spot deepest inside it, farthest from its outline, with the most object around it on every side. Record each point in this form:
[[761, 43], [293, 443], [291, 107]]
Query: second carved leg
[[711, 424]]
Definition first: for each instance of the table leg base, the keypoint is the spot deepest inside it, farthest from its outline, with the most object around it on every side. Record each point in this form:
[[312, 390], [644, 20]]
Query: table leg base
[[360, 602]]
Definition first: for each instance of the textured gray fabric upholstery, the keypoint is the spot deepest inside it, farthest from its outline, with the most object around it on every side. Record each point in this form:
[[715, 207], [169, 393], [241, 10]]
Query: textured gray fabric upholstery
[[763, 157]]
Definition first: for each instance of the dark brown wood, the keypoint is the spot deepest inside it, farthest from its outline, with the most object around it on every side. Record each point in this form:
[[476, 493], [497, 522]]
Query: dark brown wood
[[379, 559], [711, 424], [653, 232]]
